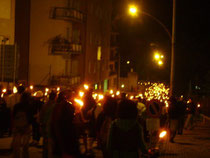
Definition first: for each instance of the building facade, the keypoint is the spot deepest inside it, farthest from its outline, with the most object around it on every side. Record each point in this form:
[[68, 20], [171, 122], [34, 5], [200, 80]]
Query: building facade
[[57, 42], [8, 56], [97, 55], [64, 41]]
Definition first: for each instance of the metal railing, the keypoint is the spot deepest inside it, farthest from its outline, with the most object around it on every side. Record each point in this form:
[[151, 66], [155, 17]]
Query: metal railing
[[67, 14], [65, 80], [64, 48]]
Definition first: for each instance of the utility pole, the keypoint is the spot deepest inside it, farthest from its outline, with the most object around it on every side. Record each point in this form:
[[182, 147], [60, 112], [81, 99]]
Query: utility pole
[[173, 49]]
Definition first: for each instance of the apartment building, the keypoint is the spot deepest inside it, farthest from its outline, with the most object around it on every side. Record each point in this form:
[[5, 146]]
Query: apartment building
[[64, 41], [8, 56]]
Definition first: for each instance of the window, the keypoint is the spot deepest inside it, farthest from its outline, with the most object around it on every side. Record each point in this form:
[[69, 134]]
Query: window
[[99, 53]]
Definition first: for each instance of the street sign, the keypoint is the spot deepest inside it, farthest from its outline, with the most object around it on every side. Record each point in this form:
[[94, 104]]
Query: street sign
[[154, 109]]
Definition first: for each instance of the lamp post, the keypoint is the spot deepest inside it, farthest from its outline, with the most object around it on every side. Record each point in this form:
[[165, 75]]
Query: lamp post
[[133, 10]]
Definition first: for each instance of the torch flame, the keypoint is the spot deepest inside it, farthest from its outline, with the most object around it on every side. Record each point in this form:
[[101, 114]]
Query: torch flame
[[162, 134]]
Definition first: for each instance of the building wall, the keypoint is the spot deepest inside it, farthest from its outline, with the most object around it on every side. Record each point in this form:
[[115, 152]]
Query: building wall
[[7, 20], [42, 30], [98, 35], [130, 83], [22, 30]]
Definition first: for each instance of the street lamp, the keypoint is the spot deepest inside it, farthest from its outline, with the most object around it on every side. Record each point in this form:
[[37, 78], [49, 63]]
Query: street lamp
[[158, 57], [133, 11], [160, 62]]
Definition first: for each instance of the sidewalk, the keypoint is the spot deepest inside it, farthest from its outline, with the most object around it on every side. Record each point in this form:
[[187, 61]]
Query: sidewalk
[[192, 144]]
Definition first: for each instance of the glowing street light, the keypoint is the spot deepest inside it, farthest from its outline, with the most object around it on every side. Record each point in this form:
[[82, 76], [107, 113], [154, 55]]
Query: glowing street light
[[128, 62], [160, 63], [157, 56], [133, 10]]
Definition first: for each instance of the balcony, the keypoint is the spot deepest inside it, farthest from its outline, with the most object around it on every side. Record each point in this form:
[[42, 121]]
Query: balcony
[[68, 14], [65, 80], [61, 46]]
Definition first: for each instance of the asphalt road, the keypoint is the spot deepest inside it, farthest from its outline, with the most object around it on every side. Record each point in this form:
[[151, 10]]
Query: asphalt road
[[192, 144]]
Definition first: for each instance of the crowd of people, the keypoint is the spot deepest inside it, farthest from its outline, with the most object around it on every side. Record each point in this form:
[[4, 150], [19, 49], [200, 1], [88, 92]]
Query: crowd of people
[[119, 125]]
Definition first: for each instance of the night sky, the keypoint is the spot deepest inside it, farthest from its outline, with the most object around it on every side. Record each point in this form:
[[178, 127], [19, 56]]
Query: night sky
[[192, 39]]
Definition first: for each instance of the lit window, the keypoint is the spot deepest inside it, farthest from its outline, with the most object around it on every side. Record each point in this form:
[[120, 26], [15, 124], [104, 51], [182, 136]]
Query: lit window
[[99, 53]]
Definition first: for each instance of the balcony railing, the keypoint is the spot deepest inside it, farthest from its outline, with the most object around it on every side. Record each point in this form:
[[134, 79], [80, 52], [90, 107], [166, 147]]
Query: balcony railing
[[67, 14], [65, 80], [65, 48]]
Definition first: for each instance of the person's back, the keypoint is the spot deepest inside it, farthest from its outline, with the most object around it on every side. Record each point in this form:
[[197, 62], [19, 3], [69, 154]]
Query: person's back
[[63, 129], [22, 130], [126, 136]]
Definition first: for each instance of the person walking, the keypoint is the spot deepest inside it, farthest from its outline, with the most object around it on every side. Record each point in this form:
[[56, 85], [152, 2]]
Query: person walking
[[191, 107], [181, 115], [22, 127], [45, 122], [64, 136], [104, 121], [173, 112], [36, 108], [125, 138]]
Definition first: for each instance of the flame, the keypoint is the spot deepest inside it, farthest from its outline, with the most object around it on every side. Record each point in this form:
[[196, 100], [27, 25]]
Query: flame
[[15, 89], [162, 134], [100, 97], [46, 89], [79, 102], [31, 87], [4, 90], [58, 88], [81, 94], [86, 86], [118, 93]]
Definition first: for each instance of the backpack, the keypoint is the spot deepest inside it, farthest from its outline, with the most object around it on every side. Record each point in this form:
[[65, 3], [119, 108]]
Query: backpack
[[104, 130]]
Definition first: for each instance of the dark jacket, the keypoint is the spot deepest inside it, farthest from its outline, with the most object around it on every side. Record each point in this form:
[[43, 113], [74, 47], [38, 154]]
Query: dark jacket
[[63, 130]]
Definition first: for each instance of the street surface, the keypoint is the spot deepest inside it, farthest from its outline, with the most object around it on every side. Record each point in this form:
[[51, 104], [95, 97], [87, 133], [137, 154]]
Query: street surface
[[192, 144]]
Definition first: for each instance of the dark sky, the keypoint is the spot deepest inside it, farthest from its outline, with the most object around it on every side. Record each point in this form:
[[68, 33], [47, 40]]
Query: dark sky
[[192, 41]]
